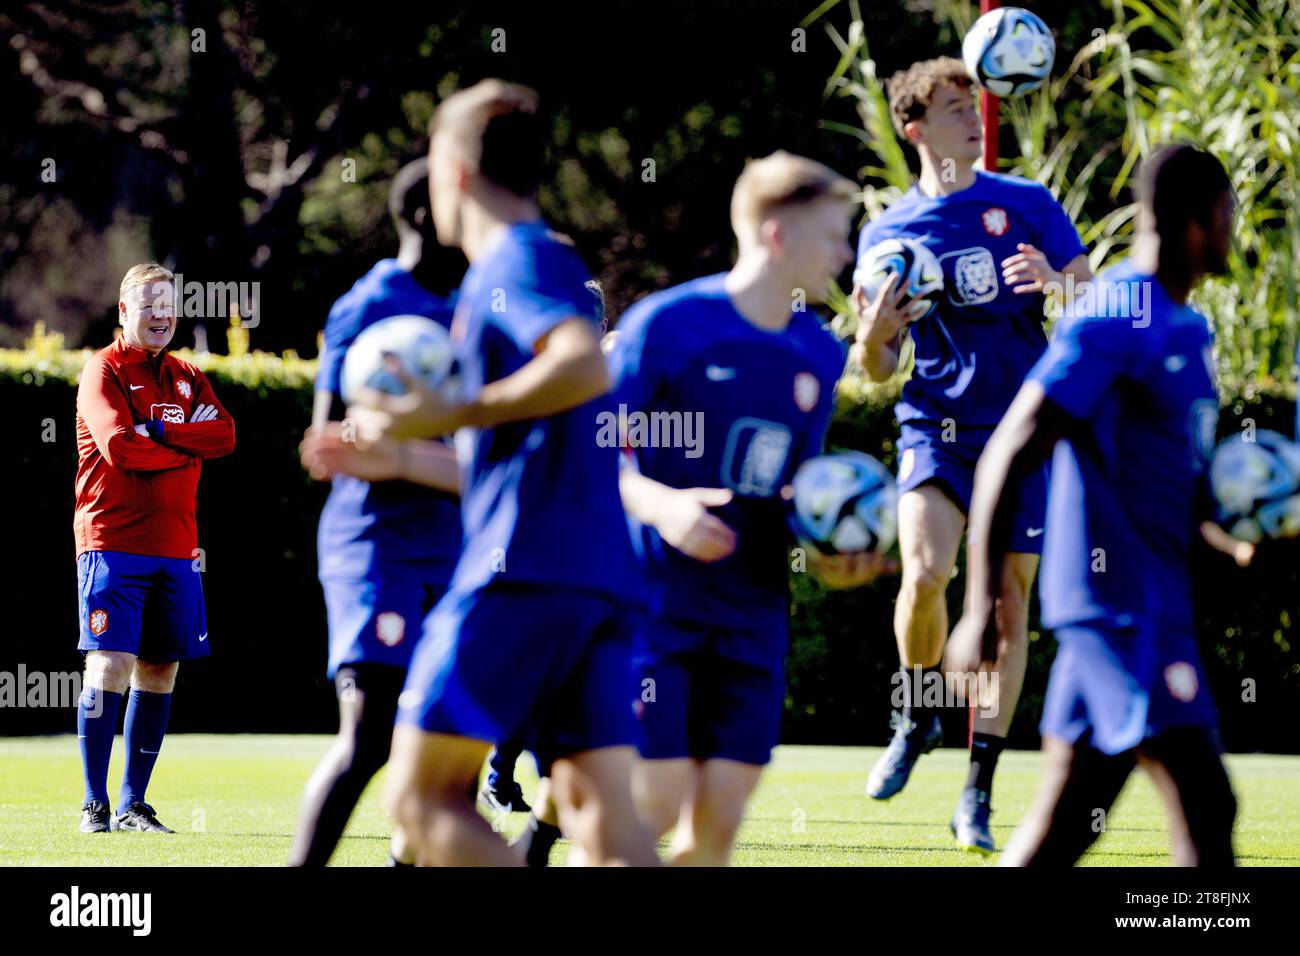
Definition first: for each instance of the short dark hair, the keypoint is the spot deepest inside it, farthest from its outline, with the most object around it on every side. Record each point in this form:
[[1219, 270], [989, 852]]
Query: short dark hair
[[496, 125], [408, 192], [514, 152], [1180, 183]]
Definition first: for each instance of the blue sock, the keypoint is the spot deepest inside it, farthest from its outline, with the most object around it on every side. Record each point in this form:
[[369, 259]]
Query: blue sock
[[146, 722], [97, 712], [501, 766]]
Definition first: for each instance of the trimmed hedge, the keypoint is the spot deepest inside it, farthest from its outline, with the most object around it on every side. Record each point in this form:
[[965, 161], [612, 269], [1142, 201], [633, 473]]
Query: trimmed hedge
[[257, 521]]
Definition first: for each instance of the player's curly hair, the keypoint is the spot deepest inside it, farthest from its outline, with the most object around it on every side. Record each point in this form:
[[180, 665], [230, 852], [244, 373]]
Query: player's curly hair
[[911, 90]]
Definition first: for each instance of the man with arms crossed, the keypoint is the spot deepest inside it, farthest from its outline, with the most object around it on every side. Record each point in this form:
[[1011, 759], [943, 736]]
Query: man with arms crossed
[[145, 422]]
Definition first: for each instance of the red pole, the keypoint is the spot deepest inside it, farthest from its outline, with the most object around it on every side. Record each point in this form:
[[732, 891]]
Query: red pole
[[989, 117], [989, 109]]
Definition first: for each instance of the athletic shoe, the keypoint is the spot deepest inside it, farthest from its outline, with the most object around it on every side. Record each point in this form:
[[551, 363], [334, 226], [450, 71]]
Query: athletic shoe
[[536, 842], [139, 817], [508, 798], [970, 824], [95, 817], [891, 771]]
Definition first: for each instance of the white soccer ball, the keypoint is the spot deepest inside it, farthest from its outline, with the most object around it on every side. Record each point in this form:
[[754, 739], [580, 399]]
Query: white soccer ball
[[1009, 51], [844, 503], [421, 345], [1256, 485], [922, 276]]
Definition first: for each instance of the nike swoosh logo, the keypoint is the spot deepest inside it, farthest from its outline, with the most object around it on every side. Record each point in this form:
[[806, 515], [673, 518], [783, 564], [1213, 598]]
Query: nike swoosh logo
[[716, 373], [203, 636], [1033, 532], [154, 752], [136, 387]]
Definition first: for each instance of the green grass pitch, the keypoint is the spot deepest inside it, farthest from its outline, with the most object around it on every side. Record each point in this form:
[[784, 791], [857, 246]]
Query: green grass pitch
[[233, 800]]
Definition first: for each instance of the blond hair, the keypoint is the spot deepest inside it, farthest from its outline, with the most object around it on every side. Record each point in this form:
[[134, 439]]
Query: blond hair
[[495, 128], [145, 273], [911, 90], [781, 180]]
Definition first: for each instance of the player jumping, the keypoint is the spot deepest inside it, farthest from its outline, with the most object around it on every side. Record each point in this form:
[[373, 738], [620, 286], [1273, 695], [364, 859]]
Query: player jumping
[[145, 421], [971, 355], [740, 353], [1124, 400]]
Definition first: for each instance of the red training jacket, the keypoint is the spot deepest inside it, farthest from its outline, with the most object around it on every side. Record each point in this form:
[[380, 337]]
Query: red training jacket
[[136, 494]]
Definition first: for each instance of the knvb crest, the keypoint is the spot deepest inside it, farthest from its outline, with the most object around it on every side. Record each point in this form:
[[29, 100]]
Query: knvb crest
[[996, 221], [974, 277], [167, 413], [98, 621], [806, 391], [390, 627]]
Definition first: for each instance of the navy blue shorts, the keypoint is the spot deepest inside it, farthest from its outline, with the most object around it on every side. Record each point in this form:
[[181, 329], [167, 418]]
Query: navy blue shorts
[[143, 605], [925, 458], [548, 668], [376, 621], [1121, 686], [698, 701]]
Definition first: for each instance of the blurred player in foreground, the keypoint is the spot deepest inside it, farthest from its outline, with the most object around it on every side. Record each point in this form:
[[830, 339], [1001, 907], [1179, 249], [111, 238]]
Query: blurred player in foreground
[[389, 533], [531, 641], [740, 354], [501, 792], [145, 422], [1125, 402]]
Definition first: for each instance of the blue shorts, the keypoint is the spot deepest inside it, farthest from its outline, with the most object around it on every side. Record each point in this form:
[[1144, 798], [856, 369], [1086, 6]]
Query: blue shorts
[[705, 702], [379, 621], [1120, 686], [548, 668], [147, 606], [925, 458]]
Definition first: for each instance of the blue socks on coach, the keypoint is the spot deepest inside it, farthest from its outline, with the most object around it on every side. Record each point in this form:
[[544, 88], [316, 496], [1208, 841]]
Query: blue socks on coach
[[146, 722], [97, 712]]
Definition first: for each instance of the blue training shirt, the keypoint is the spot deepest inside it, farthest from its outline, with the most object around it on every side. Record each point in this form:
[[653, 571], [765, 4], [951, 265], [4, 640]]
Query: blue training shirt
[[367, 527], [758, 404], [540, 498], [973, 350], [1135, 372]]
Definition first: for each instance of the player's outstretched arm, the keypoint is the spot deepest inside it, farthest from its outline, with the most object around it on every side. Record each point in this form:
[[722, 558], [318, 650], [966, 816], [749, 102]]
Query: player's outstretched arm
[[1242, 552], [1021, 442], [843, 571], [210, 432], [881, 324], [104, 408], [680, 515], [567, 370], [326, 452]]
